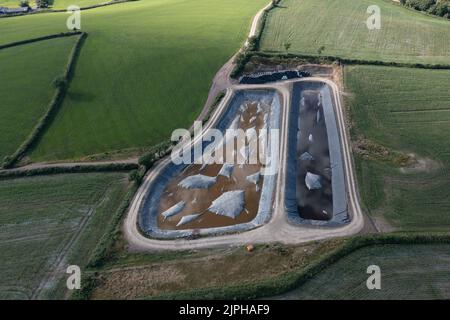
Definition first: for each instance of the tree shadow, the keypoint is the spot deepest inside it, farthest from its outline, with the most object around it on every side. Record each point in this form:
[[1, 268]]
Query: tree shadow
[[79, 96]]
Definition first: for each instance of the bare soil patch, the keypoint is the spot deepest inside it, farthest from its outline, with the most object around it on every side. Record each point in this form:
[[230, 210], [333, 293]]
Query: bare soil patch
[[234, 266]]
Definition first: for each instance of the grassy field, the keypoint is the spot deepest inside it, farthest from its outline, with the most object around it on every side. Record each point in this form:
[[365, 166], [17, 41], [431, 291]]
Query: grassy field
[[27, 73], [12, 3], [43, 219], [406, 110], [407, 272], [144, 70], [339, 27]]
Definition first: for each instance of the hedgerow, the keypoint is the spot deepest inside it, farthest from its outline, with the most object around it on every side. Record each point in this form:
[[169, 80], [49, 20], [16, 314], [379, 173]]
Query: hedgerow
[[81, 168], [55, 103]]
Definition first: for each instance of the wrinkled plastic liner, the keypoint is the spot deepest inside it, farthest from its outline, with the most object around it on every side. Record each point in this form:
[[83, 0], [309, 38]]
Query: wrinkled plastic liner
[[148, 211], [315, 190], [267, 77]]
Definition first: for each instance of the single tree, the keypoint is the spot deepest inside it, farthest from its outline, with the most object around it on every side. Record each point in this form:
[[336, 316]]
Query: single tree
[[24, 4], [320, 50]]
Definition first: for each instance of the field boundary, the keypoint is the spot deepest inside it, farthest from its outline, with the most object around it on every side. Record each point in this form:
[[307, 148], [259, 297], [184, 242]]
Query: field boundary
[[70, 168], [292, 280], [103, 250], [55, 103], [43, 38]]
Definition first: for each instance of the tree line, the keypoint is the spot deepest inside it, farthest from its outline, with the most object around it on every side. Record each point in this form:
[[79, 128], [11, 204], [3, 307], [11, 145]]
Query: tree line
[[439, 8]]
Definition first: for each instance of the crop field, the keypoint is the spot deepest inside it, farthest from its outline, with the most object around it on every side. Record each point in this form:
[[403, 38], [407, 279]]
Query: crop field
[[338, 28], [27, 72], [49, 221], [144, 70], [408, 111], [401, 266]]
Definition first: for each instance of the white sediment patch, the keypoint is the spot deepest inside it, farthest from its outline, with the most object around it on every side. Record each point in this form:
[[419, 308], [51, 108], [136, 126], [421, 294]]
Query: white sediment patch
[[187, 219], [244, 106], [199, 181], [306, 156], [174, 210], [253, 178], [312, 181], [226, 170], [259, 108], [229, 204], [311, 138]]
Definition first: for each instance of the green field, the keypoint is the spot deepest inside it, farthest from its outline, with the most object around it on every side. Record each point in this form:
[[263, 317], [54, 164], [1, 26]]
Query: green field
[[43, 219], [12, 3], [144, 70], [27, 72], [339, 27], [54, 4], [406, 110], [407, 272]]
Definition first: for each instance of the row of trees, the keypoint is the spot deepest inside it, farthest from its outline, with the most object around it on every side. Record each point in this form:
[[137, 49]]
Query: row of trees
[[436, 7]]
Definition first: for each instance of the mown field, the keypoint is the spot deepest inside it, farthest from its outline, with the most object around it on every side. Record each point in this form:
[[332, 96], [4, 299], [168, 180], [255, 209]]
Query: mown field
[[48, 219], [407, 272], [144, 70], [339, 28], [27, 72], [408, 111]]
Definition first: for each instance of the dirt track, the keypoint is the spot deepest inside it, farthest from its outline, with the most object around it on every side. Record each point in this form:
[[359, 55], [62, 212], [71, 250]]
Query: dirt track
[[222, 81]]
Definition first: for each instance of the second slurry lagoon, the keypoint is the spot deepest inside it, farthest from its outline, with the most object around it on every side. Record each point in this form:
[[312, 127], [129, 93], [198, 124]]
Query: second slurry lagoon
[[315, 183]]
